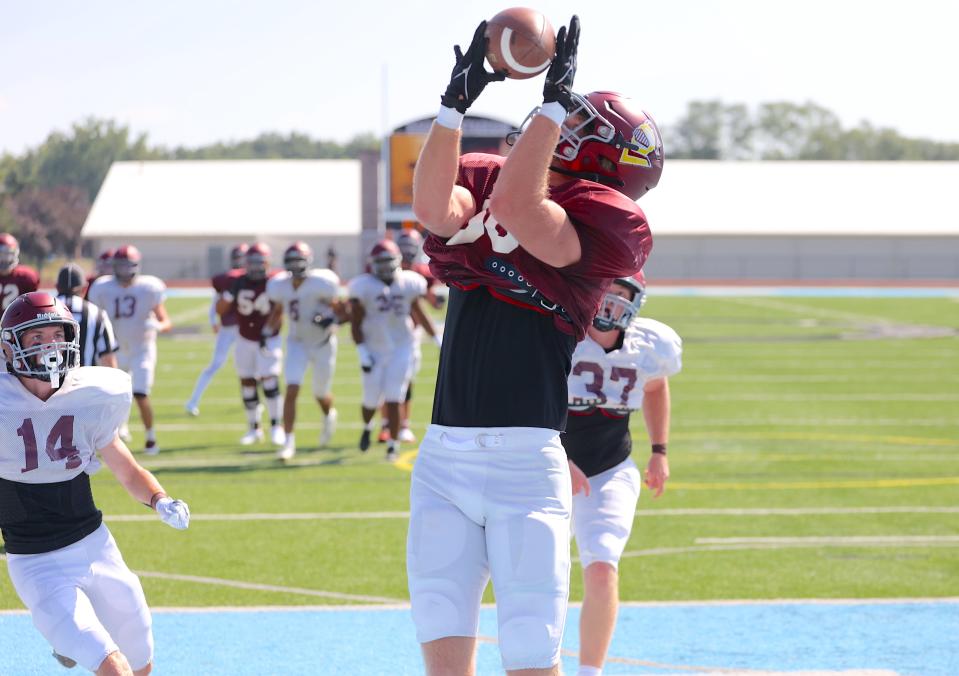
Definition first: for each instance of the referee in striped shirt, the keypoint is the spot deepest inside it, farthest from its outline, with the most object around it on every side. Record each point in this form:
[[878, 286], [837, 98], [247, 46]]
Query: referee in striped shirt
[[98, 345]]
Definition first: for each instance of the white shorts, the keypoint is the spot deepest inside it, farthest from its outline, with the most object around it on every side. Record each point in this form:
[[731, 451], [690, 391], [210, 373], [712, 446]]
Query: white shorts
[[252, 361], [491, 502], [140, 362], [323, 357], [603, 521], [389, 377], [85, 601]]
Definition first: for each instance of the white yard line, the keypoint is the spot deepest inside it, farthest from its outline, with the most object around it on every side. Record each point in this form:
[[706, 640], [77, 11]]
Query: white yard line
[[835, 540], [252, 586], [695, 549]]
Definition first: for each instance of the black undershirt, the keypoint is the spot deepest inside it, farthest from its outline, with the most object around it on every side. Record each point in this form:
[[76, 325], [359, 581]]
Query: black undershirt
[[597, 441], [38, 518], [501, 365]]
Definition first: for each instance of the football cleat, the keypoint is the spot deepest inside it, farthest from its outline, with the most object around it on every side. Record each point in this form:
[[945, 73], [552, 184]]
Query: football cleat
[[150, 447], [391, 454], [64, 661], [384, 435], [192, 409], [329, 427], [288, 450], [251, 437], [277, 435], [365, 441], [407, 436]]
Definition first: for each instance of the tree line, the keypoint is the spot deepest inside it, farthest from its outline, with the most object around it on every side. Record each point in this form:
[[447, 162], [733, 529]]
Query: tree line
[[46, 192]]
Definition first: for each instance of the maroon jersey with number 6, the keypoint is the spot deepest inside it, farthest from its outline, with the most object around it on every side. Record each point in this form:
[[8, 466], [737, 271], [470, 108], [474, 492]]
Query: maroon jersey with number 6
[[613, 234], [251, 305], [22, 279]]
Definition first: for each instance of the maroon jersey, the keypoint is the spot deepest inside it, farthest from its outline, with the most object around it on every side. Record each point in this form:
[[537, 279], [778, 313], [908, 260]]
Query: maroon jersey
[[613, 235], [251, 305], [224, 282], [20, 280]]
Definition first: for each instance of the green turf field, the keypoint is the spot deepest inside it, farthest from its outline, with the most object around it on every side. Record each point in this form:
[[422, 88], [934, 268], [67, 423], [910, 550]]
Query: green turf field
[[814, 454]]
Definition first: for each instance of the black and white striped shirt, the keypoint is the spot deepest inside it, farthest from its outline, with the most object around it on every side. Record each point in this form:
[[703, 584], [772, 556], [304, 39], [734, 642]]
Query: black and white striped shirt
[[96, 332]]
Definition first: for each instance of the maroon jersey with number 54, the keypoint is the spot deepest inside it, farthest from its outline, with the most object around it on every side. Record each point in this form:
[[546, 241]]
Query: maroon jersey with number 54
[[249, 300], [613, 234], [20, 280]]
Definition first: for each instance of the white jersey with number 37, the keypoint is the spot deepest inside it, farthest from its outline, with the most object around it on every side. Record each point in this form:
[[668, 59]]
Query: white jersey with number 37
[[314, 296], [614, 380], [54, 440], [386, 322]]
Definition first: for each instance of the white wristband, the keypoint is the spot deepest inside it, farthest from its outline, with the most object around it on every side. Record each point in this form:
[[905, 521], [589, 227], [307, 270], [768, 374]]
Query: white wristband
[[554, 110], [449, 118]]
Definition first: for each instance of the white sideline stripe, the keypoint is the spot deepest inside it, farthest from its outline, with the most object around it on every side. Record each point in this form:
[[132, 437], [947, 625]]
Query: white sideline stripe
[[695, 549], [943, 600], [835, 540], [253, 586], [641, 513]]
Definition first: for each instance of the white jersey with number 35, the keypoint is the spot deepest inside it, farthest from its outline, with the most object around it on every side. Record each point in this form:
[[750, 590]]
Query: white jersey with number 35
[[614, 380], [54, 440], [387, 323], [314, 296], [130, 307]]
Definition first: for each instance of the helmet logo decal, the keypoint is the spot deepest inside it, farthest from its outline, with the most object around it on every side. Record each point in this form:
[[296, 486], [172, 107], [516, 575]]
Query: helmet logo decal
[[644, 144]]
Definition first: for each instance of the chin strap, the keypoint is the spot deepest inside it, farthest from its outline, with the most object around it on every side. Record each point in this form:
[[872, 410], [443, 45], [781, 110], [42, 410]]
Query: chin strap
[[589, 176]]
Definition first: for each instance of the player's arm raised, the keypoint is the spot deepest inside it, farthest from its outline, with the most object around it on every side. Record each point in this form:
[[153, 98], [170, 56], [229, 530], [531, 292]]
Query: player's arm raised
[[439, 204], [142, 485], [520, 199]]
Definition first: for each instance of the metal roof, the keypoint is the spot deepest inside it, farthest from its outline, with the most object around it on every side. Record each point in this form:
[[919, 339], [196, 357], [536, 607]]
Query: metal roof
[[229, 198], [804, 198]]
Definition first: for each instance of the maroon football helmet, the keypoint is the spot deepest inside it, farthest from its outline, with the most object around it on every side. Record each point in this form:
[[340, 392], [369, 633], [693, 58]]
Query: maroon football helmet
[[9, 253], [105, 262], [609, 139], [410, 243], [238, 255], [298, 258], [616, 312], [257, 260], [44, 361], [384, 260], [126, 262]]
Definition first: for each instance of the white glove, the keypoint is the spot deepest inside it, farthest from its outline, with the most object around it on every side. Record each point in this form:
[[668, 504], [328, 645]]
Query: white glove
[[173, 513], [151, 324], [366, 359]]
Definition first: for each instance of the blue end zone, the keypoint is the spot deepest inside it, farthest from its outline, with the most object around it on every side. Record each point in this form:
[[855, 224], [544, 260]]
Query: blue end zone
[[918, 639]]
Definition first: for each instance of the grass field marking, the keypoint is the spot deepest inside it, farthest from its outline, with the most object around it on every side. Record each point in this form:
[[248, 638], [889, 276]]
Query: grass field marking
[[253, 586], [640, 513], [821, 396], [825, 436], [405, 461], [859, 320], [190, 315], [907, 540], [758, 546], [802, 485]]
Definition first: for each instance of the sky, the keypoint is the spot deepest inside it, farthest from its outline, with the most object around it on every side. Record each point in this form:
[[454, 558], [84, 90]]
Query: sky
[[195, 72]]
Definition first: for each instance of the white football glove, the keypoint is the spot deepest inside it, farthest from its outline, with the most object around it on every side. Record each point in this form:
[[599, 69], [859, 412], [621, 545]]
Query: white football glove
[[366, 358], [174, 513]]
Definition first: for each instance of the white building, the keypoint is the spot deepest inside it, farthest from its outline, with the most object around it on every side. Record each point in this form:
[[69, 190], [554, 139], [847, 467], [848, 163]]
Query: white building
[[184, 216], [827, 221]]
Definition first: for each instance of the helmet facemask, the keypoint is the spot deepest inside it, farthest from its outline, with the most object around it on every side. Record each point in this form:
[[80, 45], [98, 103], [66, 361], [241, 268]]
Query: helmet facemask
[[256, 266], [384, 267], [8, 259], [49, 361], [616, 311], [296, 264], [124, 269]]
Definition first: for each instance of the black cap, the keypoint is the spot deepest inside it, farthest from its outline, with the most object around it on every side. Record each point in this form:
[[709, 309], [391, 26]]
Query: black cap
[[69, 278]]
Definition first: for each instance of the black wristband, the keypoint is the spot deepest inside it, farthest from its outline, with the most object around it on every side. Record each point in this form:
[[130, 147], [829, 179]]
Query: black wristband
[[659, 448], [159, 495]]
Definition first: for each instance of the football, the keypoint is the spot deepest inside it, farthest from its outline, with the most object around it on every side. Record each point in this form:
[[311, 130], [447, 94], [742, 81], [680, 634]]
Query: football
[[521, 42]]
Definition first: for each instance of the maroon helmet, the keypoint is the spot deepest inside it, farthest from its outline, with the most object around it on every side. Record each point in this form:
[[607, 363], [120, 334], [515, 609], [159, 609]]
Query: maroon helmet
[[616, 312], [257, 260], [48, 361], [126, 262], [410, 243], [238, 255], [609, 139], [384, 260], [9, 253], [105, 262], [298, 258]]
